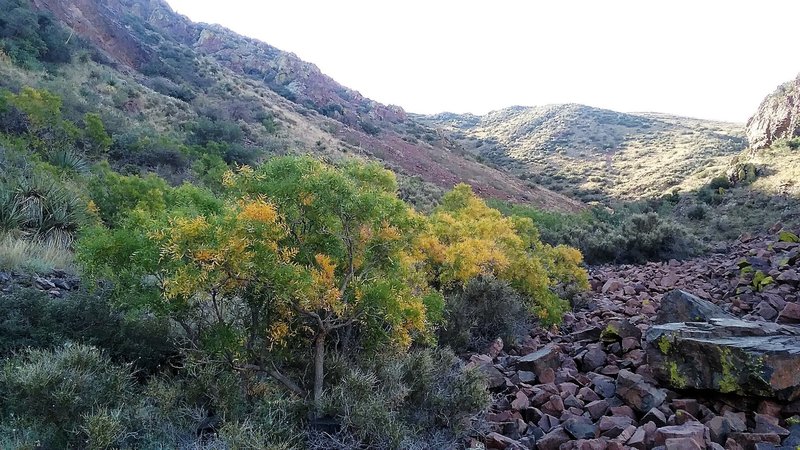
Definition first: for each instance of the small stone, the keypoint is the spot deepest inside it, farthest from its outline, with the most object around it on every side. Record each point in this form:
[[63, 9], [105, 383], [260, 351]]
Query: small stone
[[656, 416], [526, 377], [553, 439], [580, 428], [637, 393], [612, 285], [594, 358], [548, 375], [553, 406], [682, 444], [597, 408], [692, 430], [719, 428], [604, 386], [790, 314], [538, 361], [520, 401], [498, 441]]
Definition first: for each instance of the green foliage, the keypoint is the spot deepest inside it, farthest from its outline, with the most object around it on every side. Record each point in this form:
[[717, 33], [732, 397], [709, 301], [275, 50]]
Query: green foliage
[[32, 38], [40, 209], [33, 319], [55, 392], [484, 310], [424, 397], [96, 140], [696, 212]]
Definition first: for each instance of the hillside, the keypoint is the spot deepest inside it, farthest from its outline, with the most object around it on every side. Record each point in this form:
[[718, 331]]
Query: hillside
[[148, 68], [596, 154]]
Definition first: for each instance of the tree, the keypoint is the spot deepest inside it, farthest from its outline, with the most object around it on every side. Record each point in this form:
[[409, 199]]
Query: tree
[[467, 239], [95, 139], [299, 252]]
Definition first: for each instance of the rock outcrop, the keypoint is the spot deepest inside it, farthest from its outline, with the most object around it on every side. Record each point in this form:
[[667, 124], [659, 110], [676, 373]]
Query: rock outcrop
[[727, 356], [777, 117]]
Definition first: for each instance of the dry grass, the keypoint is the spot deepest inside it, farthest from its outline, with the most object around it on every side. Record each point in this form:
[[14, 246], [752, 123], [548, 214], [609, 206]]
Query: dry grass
[[26, 255]]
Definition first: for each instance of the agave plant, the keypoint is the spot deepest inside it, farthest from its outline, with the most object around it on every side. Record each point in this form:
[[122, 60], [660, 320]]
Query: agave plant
[[41, 210], [70, 159]]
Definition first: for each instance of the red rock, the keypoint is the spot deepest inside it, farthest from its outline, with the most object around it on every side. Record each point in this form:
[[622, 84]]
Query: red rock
[[498, 441], [548, 375], [692, 430], [591, 444], [520, 402], [683, 444], [554, 406], [553, 440], [749, 440], [612, 285], [597, 408], [790, 314]]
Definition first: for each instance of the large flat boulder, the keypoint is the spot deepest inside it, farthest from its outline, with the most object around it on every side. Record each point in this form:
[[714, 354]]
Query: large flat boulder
[[681, 306], [728, 356]]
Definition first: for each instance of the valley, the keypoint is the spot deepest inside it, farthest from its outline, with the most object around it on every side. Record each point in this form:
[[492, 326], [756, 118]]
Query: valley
[[208, 243]]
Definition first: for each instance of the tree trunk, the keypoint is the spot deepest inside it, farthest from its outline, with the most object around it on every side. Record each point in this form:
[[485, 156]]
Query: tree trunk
[[319, 370]]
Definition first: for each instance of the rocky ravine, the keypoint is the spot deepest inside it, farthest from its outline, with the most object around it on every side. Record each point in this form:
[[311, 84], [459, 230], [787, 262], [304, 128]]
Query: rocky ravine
[[698, 354]]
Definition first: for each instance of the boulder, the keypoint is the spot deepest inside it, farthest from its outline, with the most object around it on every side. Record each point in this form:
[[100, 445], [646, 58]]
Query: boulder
[[681, 306], [727, 356], [637, 393], [538, 361]]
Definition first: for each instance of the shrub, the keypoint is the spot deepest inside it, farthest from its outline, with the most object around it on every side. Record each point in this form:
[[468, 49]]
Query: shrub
[[486, 309], [205, 131], [418, 400], [57, 391], [31, 319], [40, 209], [696, 212]]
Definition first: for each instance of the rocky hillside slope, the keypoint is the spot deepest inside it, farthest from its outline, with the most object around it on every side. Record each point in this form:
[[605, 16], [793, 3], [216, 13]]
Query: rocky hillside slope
[[188, 69], [594, 153], [691, 354], [778, 116]]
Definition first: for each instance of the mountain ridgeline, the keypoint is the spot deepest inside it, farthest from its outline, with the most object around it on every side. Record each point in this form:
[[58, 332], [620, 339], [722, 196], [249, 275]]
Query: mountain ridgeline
[[596, 154], [159, 67]]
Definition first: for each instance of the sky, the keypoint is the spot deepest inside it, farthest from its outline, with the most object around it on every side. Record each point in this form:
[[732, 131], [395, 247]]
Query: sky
[[702, 58]]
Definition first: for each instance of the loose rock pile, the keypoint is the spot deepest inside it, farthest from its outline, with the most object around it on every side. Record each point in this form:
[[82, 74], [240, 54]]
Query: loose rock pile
[[676, 355], [55, 284]]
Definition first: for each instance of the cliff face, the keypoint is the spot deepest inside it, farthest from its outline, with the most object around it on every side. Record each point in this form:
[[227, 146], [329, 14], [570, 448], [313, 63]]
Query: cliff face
[[778, 116]]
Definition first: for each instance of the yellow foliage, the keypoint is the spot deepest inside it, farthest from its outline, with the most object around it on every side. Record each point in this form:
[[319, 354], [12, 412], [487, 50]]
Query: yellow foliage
[[258, 211]]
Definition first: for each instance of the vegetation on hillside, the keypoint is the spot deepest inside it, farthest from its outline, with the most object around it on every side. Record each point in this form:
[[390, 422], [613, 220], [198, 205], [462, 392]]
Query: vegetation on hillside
[[235, 307]]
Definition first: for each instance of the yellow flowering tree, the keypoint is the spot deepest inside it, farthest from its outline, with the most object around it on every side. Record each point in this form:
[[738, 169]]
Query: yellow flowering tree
[[354, 236], [466, 239]]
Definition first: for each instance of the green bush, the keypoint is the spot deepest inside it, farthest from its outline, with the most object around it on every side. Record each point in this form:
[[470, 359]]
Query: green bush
[[40, 209], [422, 399], [58, 392], [696, 212], [31, 38], [486, 309], [32, 319]]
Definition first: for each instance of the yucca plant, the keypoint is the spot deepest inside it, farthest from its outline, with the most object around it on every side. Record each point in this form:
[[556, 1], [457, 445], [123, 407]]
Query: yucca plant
[[11, 215], [41, 210], [70, 159]]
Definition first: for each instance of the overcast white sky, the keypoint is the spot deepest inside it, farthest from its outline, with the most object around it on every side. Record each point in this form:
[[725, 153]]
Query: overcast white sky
[[702, 58]]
